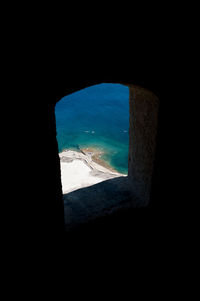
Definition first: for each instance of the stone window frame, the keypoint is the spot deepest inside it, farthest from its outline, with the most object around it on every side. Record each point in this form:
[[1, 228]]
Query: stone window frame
[[143, 124]]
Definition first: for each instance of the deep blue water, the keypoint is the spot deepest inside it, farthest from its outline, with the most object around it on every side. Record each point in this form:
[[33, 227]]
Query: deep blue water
[[97, 116]]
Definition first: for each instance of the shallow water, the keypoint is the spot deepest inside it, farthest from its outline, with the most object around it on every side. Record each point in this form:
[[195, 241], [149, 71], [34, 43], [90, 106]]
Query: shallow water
[[98, 117]]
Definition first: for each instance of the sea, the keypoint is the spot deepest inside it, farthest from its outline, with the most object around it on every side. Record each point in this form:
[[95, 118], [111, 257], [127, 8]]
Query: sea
[[96, 117]]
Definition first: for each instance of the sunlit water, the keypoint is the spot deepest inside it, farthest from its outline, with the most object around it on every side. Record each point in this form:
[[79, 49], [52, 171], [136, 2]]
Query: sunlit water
[[98, 117]]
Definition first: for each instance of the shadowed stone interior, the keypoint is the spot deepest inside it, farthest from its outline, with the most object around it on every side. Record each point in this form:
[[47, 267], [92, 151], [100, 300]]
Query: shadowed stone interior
[[144, 107], [102, 199]]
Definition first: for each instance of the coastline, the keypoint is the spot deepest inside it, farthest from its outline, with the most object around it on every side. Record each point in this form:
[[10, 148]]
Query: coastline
[[84, 168], [96, 156]]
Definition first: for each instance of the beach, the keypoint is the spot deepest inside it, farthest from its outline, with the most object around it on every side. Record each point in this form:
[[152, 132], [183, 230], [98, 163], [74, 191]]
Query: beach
[[84, 168]]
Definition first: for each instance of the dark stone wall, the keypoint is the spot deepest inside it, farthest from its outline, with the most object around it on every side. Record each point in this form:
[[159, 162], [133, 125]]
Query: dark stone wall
[[54, 203], [144, 106], [55, 207], [63, 87]]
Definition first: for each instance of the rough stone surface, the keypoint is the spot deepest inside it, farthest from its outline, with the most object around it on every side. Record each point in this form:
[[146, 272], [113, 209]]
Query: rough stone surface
[[102, 199], [133, 191], [144, 107]]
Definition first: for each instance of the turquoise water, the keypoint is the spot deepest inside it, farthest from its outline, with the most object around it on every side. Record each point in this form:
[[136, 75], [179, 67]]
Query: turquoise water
[[97, 116]]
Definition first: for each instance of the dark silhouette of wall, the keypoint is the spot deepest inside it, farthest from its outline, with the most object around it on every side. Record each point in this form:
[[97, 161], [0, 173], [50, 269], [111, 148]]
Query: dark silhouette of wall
[[55, 218], [144, 107]]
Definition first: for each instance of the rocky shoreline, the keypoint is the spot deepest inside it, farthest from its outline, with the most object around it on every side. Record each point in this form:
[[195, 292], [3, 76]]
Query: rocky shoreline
[[96, 156], [84, 168]]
